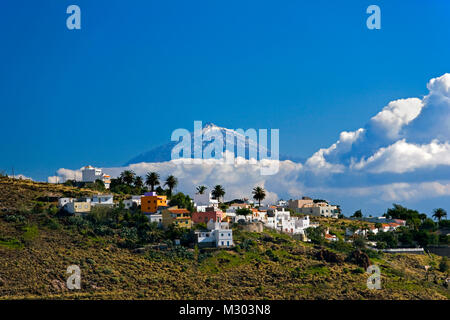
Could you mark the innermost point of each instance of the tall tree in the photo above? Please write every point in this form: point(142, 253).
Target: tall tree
point(259, 194)
point(357, 214)
point(152, 180)
point(201, 189)
point(171, 183)
point(439, 213)
point(138, 182)
point(218, 192)
point(127, 176)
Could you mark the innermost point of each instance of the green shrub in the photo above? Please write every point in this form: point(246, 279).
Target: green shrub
point(444, 265)
point(52, 224)
point(11, 244)
point(358, 270)
point(272, 255)
point(30, 233)
point(247, 244)
point(14, 218)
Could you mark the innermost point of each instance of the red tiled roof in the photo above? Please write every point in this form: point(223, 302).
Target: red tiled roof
point(178, 211)
point(393, 224)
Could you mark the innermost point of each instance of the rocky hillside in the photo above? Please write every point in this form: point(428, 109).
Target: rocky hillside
point(37, 246)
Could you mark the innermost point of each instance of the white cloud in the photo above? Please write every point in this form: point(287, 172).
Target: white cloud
point(238, 179)
point(440, 85)
point(65, 174)
point(21, 177)
point(376, 163)
point(395, 115)
point(392, 192)
point(403, 157)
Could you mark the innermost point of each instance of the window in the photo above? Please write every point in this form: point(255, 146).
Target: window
point(222, 243)
point(228, 243)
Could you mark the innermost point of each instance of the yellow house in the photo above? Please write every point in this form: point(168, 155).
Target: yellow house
point(179, 217)
point(79, 207)
point(151, 201)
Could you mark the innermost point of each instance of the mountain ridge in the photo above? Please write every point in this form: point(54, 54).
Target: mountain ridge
point(162, 153)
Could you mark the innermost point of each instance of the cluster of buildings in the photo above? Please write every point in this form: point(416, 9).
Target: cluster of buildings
point(84, 205)
point(216, 229)
point(385, 225)
point(306, 205)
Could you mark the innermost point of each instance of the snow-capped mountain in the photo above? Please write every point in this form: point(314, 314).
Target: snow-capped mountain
point(163, 152)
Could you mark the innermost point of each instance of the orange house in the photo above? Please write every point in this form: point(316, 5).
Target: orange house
point(150, 202)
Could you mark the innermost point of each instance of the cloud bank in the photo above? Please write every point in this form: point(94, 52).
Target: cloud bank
point(401, 154)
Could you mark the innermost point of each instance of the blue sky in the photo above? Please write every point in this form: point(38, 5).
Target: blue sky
point(139, 69)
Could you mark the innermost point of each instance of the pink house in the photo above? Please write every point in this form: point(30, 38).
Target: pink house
point(211, 214)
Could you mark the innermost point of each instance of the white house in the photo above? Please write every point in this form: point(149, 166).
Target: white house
point(258, 215)
point(63, 201)
point(281, 220)
point(219, 234)
point(275, 217)
point(385, 227)
point(359, 232)
point(155, 217)
point(205, 200)
point(91, 174)
point(102, 199)
point(205, 238)
point(222, 233)
point(128, 203)
point(295, 225)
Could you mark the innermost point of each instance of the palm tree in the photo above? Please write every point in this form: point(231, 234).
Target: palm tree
point(128, 176)
point(259, 194)
point(171, 182)
point(218, 192)
point(201, 189)
point(138, 182)
point(439, 213)
point(152, 180)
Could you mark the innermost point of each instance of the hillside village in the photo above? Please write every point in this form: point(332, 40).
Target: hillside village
point(211, 220)
point(204, 247)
